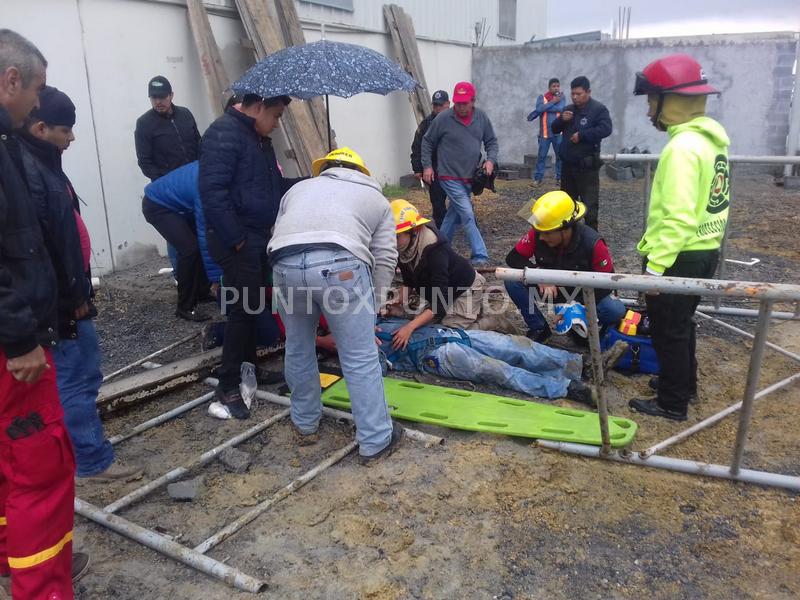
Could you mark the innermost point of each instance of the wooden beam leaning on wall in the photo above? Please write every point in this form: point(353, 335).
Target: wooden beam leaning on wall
point(301, 131)
point(293, 36)
point(210, 58)
point(404, 39)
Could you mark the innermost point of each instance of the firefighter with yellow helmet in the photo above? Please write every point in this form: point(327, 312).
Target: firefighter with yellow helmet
point(449, 288)
point(558, 239)
point(686, 221)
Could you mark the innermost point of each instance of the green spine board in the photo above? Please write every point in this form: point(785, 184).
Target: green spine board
point(477, 411)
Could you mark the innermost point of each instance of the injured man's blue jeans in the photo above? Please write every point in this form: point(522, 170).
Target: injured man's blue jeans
point(509, 361)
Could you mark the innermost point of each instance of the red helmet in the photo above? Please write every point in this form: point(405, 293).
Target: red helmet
point(673, 74)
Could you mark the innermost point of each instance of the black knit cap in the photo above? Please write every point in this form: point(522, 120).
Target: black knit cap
point(55, 108)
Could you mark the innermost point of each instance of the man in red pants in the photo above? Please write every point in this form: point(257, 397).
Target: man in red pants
point(36, 461)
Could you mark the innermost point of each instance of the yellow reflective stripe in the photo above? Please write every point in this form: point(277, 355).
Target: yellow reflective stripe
point(38, 558)
point(3, 521)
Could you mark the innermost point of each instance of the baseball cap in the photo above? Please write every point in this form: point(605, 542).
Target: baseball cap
point(159, 87)
point(463, 92)
point(55, 108)
point(439, 97)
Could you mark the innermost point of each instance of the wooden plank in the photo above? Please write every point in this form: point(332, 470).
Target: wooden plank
point(293, 35)
point(404, 40)
point(409, 38)
point(146, 384)
point(217, 80)
point(300, 129)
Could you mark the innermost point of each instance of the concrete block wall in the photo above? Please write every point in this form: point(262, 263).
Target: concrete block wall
point(753, 72)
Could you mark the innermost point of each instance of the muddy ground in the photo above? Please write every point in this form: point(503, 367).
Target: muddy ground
point(483, 516)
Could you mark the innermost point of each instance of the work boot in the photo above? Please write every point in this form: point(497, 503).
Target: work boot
point(653, 408)
point(583, 393)
point(115, 472)
point(191, 315)
point(80, 564)
point(208, 338)
point(304, 439)
point(398, 432)
point(267, 377)
point(235, 404)
point(540, 336)
point(653, 385)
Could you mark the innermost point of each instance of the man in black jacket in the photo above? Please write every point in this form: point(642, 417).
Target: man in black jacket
point(440, 101)
point(166, 136)
point(37, 468)
point(584, 124)
point(47, 133)
point(240, 190)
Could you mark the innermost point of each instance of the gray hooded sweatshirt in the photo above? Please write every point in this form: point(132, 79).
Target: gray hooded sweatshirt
point(346, 208)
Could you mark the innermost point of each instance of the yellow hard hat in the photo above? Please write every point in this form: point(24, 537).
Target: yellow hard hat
point(343, 156)
point(555, 210)
point(406, 216)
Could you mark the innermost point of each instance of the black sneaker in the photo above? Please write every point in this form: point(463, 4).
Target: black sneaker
point(191, 315)
point(80, 564)
point(652, 408)
point(653, 385)
point(583, 393)
point(235, 404)
point(398, 432)
point(540, 336)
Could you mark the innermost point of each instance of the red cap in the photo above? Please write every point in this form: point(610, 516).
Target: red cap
point(463, 92)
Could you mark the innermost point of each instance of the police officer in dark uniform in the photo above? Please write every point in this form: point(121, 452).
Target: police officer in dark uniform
point(584, 124)
point(440, 101)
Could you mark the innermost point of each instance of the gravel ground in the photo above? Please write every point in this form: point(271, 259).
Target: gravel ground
point(484, 516)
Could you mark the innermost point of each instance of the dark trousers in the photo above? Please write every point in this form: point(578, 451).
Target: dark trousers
point(672, 329)
point(438, 202)
point(584, 185)
point(180, 232)
point(243, 299)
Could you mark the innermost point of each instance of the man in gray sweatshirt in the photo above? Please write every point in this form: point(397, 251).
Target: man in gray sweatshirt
point(333, 252)
point(456, 135)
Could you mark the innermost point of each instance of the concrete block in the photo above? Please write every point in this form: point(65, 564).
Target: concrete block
point(508, 174)
point(409, 181)
point(792, 182)
point(530, 160)
point(235, 461)
point(619, 173)
point(185, 491)
point(526, 172)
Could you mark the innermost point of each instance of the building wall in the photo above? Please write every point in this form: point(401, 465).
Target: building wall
point(443, 20)
point(103, 52)
point(753, 72)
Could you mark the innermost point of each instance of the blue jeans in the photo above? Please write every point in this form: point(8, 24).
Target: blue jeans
point(541, 161)
point(610, 310)
point(460, 213)
point(78, 377)
point(508, 361)
point(338, 285)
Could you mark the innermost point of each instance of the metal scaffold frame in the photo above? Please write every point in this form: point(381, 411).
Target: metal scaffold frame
point(196, 557)
point(765, 293)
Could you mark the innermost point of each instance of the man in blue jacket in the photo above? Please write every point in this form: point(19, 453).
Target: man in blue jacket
point(548, 108)
point(240, 191)
point(173, 216)
point(584, 124)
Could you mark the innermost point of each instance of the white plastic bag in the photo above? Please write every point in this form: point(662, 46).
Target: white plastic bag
point(247, 388)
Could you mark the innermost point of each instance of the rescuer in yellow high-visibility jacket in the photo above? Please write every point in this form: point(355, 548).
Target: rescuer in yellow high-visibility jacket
point(686, 220)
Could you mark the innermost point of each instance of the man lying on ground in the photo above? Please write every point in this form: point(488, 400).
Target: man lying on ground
point(509, 361)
